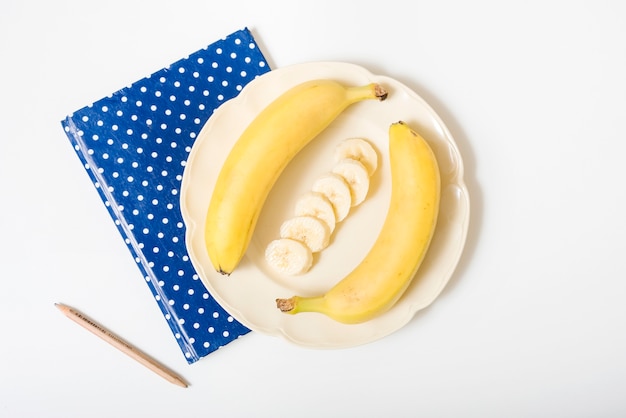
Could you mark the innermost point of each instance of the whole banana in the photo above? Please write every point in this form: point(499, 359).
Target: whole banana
point(385, 273)
point(259, 156)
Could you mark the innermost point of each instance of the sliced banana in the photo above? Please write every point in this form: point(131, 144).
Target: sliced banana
point(317, 205)
point(358, 149)
point(313, 232)
point(288, 256)
point(357, 177)
point(335, 188)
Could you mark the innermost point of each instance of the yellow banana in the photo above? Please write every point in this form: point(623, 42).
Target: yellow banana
point(259, 156)
point(385, 273)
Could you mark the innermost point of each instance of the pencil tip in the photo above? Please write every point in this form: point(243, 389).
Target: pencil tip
point(177, 380)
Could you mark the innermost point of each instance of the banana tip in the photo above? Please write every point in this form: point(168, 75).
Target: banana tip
point(223, 272)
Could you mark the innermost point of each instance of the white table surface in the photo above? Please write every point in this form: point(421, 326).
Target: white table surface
point(532, 323)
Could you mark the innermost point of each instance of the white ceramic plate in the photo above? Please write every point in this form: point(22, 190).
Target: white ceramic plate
point(249, 293)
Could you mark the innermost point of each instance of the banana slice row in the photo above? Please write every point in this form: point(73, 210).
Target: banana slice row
point(318, 211)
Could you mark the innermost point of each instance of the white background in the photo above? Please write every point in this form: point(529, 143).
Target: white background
point(532, 323)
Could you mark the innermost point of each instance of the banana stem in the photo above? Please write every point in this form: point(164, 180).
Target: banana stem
point(296, 304)
point(369, 91)
point(286, 305)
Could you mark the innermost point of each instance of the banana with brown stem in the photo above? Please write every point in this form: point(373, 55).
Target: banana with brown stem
point(260, 155)
point(385, 273)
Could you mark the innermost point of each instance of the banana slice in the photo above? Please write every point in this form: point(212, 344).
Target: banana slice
point(317, 205)
point(335, 188)
point(313, 232)
point(358, 149)
point(357, 177)
point(288, 256)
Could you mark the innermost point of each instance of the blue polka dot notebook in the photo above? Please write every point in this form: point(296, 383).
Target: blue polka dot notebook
point(134, 145)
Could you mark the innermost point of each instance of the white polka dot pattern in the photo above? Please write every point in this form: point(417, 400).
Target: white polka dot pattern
point(134, 145)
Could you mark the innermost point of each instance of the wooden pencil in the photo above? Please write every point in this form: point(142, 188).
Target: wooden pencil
point(97, 329)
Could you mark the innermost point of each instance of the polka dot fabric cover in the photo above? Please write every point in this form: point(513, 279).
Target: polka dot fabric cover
point(134, 145)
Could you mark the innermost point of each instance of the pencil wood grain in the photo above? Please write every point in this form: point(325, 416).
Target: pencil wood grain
point(119, 343)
